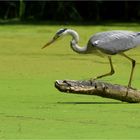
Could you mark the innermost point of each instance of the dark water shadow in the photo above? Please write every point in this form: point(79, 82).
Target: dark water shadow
point(91, 103)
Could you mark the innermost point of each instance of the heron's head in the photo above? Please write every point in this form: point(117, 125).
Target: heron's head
point(59, 34)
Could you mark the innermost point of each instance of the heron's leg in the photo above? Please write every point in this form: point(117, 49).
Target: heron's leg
point(132, 69)
point(110, 73)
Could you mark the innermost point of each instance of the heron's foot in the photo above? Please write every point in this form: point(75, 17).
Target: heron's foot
point(92, 80)
point(128, 88)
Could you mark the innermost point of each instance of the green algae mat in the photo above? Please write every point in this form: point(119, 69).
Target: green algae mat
point(31, 107)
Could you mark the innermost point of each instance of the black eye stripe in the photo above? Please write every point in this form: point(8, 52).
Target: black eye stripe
point(61, 31)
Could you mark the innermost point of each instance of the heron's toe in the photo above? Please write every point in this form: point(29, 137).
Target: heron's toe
point(95, 78)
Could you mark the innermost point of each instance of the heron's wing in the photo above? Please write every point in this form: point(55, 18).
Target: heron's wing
point(114, 42)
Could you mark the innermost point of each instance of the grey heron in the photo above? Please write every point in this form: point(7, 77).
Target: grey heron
point(104, 43)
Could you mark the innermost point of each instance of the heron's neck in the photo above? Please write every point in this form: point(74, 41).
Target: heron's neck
point(74, 42)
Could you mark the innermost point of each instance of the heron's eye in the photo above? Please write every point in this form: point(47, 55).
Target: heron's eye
point(56, 36)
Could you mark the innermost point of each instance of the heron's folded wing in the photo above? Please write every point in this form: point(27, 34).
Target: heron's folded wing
point(115, 43)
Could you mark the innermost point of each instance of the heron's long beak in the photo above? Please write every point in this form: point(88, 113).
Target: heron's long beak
point(50, 42)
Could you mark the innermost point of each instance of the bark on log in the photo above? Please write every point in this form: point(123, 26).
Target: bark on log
point(99, 88)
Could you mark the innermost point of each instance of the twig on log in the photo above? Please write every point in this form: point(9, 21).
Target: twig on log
point(99, 88)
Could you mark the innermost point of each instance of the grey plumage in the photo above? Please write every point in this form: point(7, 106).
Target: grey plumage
point(114, 42)
point(104, 43)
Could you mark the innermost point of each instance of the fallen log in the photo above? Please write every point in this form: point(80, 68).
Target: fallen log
point(103, 89)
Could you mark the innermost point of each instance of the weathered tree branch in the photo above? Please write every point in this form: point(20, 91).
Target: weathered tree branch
point(99, 88)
